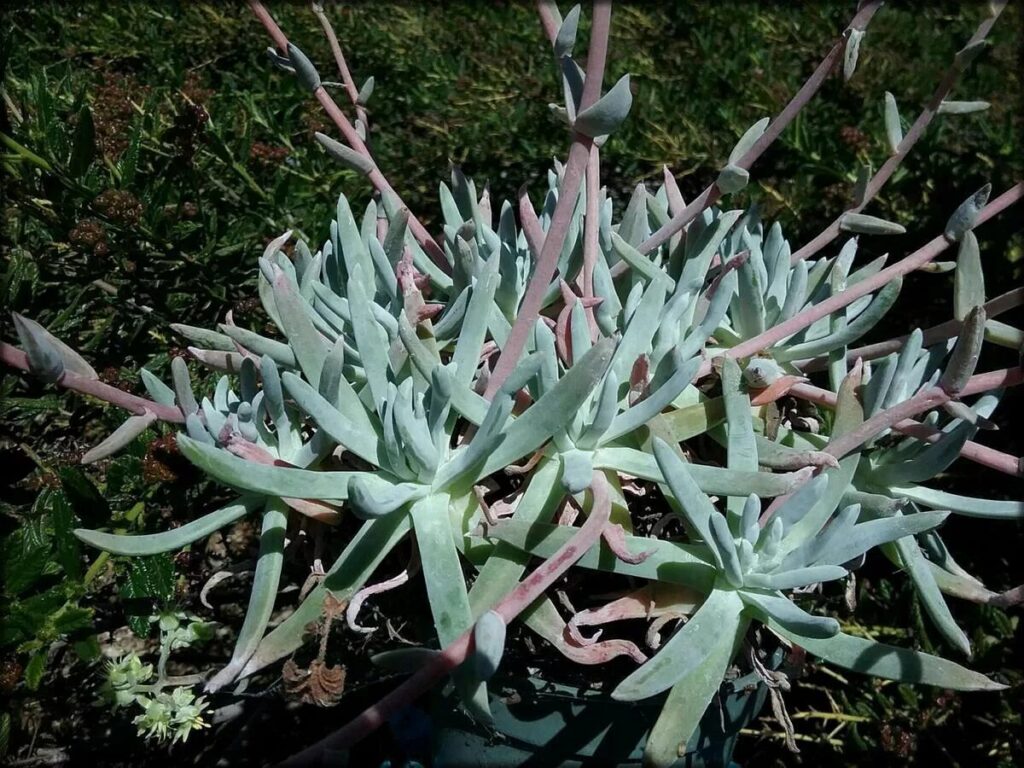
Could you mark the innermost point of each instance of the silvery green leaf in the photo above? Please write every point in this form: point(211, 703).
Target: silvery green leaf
point(404, 661)
point(916, 566)
point(577, 470)
point(262, 478)
point(880, 304)
point(969, 280)
point(608, 113)
point(640, 263)
point(696, 507)
point(174, 539)
point(687, 702)
point(361, 441)
point(642, 412)
point(761, 372)
point(887, 661)
point(725, 545)
point(962, 107)
point(196, 430)
point(749, 519)
point(474, 325)
point(229, 362)
point(966, 214)
point(306, 343)
point(732, 178)
point(705, 635)
point(893, 128)
point(566, 37)
point(348, 157)
point(261, 345)
point(305, 72)
point(851, 52)
point(120, 437)
point(640, 330)
point(860, 186)
point(863, 224)
point(714, 480)
point(262, 596)
point(968, 415)
point(372, 496)
point(554, 410)
point(204, 337)
point(73, 361)
point(157, 390)
point(798, 577)
point(413, 430)
point(394, 243)
point(965, 355)
point(968, 54)
point(488, 643)
point(361, 557)
point(370, 341)
point(604, 412)
point(331, 375)
point(963, 505)
point(44, 359)
point(769, 607)
point(183, 386)
point(365, 92)
point(747, 141)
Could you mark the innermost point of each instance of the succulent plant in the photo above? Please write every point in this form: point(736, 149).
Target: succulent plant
point(409, 375)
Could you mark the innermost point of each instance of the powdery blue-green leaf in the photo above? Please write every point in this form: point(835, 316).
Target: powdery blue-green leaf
point(262, 478)
point(157, 390)
point(370, 495)
point(639, 414)
point(183, 386)
point(798, 577)
point(689, 698)
point(120, 437)
point(694, 654)
point(363, 442)
point(608, 113)
point(928, 592)
point(261, 345)
point(962, 107)
point(404, 661)
point(971, 51)
point(964, 358)
point(732, 178)
point(768, 607)
point(348, 157)
point(488, 645)
point(370, 340)
point(553, 411)
point(204, 337)
point(44, 359)
point(969, 279)
point(365, 91)
point(360, 558)
point(748, 140)
point(307, 344)
point(893, 128)
point(305, 72)
point(174, 539)
point(697, 507)
point(566, 37)
point(893, 663)
point(966, 214)
point(863, 224)
point(262, 596)
point(851, 52)
point(963, 505)
point(867, 535)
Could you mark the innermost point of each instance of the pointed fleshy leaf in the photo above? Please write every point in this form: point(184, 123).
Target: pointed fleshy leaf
point(968, 280)
point(174, 539)
point(693, 654)
point(305, 72)
point(608, 113)
point(872, 658)
point(862, 224)
point(851, 52)
point(962, 107)
point(120, 437)
point(893, 128)
point(566, 37)
point(348, 157)
point(964, 505)
point(964, 358)
point(44, 359)
point(966, 214)
point(768, 607)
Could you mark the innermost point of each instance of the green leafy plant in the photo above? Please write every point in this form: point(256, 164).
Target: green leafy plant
point(408, 375)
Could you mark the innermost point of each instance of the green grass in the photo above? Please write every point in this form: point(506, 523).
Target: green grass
point(468, 85)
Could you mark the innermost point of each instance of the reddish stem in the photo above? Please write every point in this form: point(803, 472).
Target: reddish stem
point(922, 256)
point(913, 135)
point(376, 178)
point(15, 358)
point(941, 332)
point(572, 178)
point(775, 128)
point(339, 59)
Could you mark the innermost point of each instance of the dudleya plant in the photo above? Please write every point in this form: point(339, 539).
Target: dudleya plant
point(583, 349)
